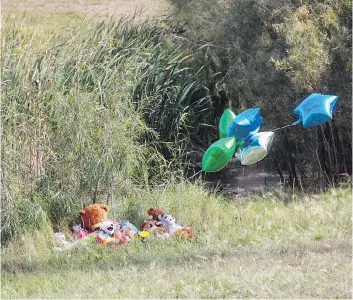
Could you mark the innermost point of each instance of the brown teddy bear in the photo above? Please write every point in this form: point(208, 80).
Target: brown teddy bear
point(153, 217)
point(154, 213)
point(93, 215)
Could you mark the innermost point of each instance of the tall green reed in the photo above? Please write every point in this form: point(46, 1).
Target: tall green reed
point(89, 112)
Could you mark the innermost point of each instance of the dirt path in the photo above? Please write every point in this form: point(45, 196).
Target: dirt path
point(93, 8)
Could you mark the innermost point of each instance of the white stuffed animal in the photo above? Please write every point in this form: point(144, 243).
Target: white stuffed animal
point(168, 222)
point(106, 230)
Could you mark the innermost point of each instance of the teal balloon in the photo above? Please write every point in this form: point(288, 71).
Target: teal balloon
point(315, 110)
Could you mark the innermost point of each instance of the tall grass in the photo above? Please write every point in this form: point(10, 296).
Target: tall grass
point(89, 111)
point(253, 246)
point(220, 225)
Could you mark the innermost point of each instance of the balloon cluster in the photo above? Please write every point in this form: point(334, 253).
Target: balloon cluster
point(240, 136)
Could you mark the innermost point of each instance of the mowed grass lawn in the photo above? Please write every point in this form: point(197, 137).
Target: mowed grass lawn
point(255, 247)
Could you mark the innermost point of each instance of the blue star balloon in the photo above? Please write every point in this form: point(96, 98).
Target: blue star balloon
point(315, 110)
point(245, 124)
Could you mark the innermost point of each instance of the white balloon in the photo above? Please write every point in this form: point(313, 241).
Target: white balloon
point(257, 148)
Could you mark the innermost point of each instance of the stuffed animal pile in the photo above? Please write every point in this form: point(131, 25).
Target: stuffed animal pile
point(163, 226)
point(97, 229)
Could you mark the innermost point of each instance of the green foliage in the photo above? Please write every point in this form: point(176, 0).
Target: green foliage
point(92, 110)
point(219, 226)
point(86, 113)
point(272, 54)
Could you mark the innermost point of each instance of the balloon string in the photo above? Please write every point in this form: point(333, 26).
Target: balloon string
point(194, 175)
point(278, 128)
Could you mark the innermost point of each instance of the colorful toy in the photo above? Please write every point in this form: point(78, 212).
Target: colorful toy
point(68, 245)
point(169, 224)
point(124, 239)
point(93, 215)
point(153, 216)
point(128, 229)
point(185, 232)
point(131, 231)
point(154, 213)
point(61, 241)
point(106, 235)
point(106, 230)
point(79, 232)
point(144, 234)
point(150, 224)
point(151, 227)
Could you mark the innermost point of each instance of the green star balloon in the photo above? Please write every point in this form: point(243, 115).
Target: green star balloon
point(225, 121)
point(219, 154)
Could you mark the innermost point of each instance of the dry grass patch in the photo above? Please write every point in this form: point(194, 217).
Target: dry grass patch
point(320, 269)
